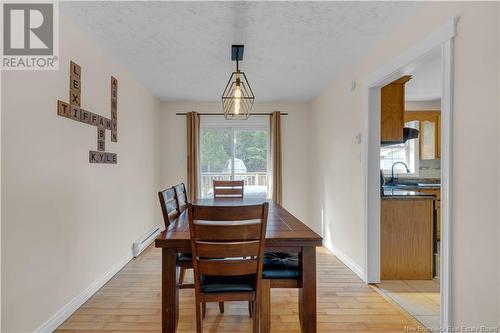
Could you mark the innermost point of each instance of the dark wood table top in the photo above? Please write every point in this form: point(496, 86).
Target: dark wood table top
point(283, 229)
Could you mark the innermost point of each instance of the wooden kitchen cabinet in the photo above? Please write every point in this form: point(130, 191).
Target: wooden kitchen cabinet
point(437, 194)
point(429, 132)
point(392, 104)
point(406, 239)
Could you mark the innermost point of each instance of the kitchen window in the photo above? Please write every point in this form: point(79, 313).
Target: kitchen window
point(407, 153)
point(235, 150)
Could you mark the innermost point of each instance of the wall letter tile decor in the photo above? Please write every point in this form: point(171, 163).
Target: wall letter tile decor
point(74, 111)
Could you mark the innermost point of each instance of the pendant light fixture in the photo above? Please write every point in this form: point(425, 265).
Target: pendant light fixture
point(237, 98)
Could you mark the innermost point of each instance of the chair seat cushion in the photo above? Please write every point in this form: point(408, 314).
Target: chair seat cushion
point(221, 284)
point(183, 257)
point(280, 265)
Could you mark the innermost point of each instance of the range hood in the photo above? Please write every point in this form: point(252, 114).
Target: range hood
point(408, 133)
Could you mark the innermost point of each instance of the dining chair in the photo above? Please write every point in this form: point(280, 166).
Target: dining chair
point(182, 201)
point(229, 188)
point(169, 203)
point(181, 195)
point(227, 243)
point(169, 206)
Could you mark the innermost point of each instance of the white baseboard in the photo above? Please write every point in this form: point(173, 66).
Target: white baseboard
point(60, 316)
point(353, 266)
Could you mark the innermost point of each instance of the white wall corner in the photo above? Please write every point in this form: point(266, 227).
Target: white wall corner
point(67, 310)
point(348, 261)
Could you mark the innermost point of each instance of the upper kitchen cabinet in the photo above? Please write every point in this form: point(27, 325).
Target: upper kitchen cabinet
point(430, 132)
point(392, 105)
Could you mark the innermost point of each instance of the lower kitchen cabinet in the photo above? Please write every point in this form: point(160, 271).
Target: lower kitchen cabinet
point(406, 249)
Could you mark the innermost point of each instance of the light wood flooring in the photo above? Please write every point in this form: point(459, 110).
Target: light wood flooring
point(130, 301)
point(420, 298)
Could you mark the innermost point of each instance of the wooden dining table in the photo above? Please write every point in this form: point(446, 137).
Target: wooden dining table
point(285, 233)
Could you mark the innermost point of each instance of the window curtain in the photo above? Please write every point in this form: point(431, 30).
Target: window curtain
point(193, 143)
point(277, 185)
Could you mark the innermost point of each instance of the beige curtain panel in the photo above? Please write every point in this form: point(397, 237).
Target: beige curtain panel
point(193, 142)
point(277, 185)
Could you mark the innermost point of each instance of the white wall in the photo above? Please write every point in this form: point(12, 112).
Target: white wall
point(296, 140)
point(1, 223)
point(65, 222)
point(498, 95)
point(338, 172)
point(434, 105)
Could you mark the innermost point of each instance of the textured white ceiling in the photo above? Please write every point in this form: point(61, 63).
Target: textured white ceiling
point(181, 50)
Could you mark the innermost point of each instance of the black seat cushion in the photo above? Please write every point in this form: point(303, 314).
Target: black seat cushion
point(183, 257)
point(280, 265)
point(221, 284)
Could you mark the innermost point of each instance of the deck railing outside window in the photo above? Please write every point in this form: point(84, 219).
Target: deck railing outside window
point(256, 183)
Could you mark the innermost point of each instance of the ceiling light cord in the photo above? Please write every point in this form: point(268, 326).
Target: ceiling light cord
point(237, 60)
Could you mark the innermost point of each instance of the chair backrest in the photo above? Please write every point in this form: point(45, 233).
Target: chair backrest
point(168, 204)
point(227, 240)
point(229, 188)
point(182, 199)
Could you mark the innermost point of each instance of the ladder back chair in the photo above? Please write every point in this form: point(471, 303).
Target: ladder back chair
point(227, 243)
point(182, 201)
point(170, 203)
point(181, 195)
point(280, 270)
point(229, 188)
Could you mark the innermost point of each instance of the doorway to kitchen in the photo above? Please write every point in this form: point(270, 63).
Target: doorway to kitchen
point(412, 158)
point(410, 170)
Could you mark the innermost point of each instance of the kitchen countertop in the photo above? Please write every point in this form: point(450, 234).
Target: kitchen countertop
point(403, 179)
point(413, 186)
point(392, 192)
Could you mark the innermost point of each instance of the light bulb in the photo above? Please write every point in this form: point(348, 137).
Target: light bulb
point(237, 96)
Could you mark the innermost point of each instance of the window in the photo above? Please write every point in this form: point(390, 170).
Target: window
point(235, 150)
point(404, 152)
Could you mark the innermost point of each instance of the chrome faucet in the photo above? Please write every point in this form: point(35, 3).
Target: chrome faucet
point(393, 180)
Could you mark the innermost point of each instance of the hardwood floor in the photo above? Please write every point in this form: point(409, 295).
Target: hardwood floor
point(130, 302)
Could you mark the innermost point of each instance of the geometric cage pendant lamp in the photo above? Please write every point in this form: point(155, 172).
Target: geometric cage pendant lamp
point(237, 98)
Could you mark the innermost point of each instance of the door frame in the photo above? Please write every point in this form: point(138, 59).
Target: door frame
point(442, 37)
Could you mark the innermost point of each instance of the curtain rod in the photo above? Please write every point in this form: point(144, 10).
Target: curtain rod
point(222, 114)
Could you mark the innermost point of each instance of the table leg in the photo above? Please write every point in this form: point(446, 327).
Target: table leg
point(307, 294)
point(265, 315)
point(169, 291)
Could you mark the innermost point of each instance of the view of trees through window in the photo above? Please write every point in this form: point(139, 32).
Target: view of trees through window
point(251, 148)
point(234, 154)
point(215, 150)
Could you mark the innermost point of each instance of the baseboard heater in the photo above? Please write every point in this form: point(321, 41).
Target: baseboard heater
point(145, 240)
